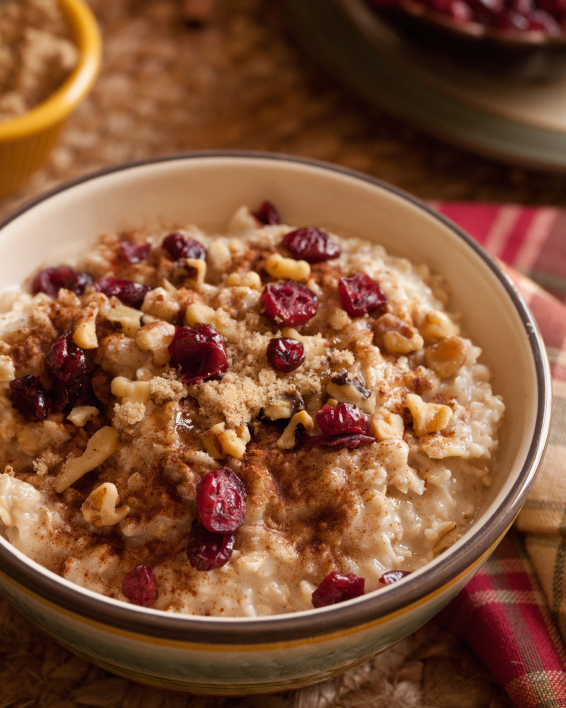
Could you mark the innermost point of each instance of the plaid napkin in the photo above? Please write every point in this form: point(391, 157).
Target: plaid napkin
point(513, 612)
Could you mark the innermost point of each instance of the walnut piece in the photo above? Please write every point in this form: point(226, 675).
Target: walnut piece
point(386, 425)
point(346, 390)
point(244, 280)
point(436, 326)
point(197, 272)
point(220, 442)
point(427, 417)
point(287, 268)
point(80, 415)
point(161, 304)
point(84, 335)
point(156, 338)
point(447, 356)
point(134, 391)
point(284, 407)
point(287, 440)
point(101, 506)
point(397, 336)
point(100, 447)
point(125, 319)
point(447, 535)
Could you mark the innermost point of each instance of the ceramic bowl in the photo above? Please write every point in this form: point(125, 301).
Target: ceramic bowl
point(208, 655)
point(26, 141)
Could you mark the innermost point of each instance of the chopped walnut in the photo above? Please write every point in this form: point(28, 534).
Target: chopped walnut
point(220, 442)
point(438, 325)
point(446, 535)
point(447, 357)
point(244, 280)
point(386, 425)
point(161, 304)
point(125, 319)
point(100, 507)
point(314, 345)
point(427, 417)
point(100, 447)
point(284, 407)
point(287, 440)
point(156, 338)
point(287, 268)
point(84, 335)
point(398, 337)
point(196, 269)
point(346, 390)
point(80, 415)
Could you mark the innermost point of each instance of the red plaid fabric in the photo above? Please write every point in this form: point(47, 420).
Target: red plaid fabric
point(504, 616)
point(532, 240)
point(512, 613)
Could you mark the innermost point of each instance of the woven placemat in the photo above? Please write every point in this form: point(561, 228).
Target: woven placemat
point(430, 669)
point(242, 83)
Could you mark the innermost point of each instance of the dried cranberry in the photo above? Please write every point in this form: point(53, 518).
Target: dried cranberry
point(349, 440)
point(206, 550)
point(66, 364)
point(130, 293)
point(289, 304)
point(392, 576)
point(51, 280)
point(556, 8)
point(134, 252)
point(456, 9)
point(360, 294)
point(180, 246)
point(311, 245)
point(338, 588)
point(285, 354)
point(459, 11)
point(344, 418)
point(200, 352)
point(29, 397)
point(542, 21)
point(511, 21)
point(267, 214)
point(139, 586)
point(221, 501)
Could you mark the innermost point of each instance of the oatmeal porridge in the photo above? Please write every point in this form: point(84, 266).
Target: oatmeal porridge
point(243, 424)
point(36, 54)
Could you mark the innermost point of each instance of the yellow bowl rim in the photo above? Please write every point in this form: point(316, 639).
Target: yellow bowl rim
point(76, 87)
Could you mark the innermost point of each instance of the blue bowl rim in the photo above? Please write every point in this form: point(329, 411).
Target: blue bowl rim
point(337, 618)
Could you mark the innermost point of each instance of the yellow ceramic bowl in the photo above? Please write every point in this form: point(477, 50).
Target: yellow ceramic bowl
point(26, 141)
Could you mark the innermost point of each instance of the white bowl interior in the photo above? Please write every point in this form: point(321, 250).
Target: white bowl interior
point(207, 190)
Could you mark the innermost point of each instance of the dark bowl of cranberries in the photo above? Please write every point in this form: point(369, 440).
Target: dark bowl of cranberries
point(520, 39)
point(348, 622)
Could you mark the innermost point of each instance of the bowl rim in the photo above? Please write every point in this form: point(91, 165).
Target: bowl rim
point(75, 87)
point(411, 591)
